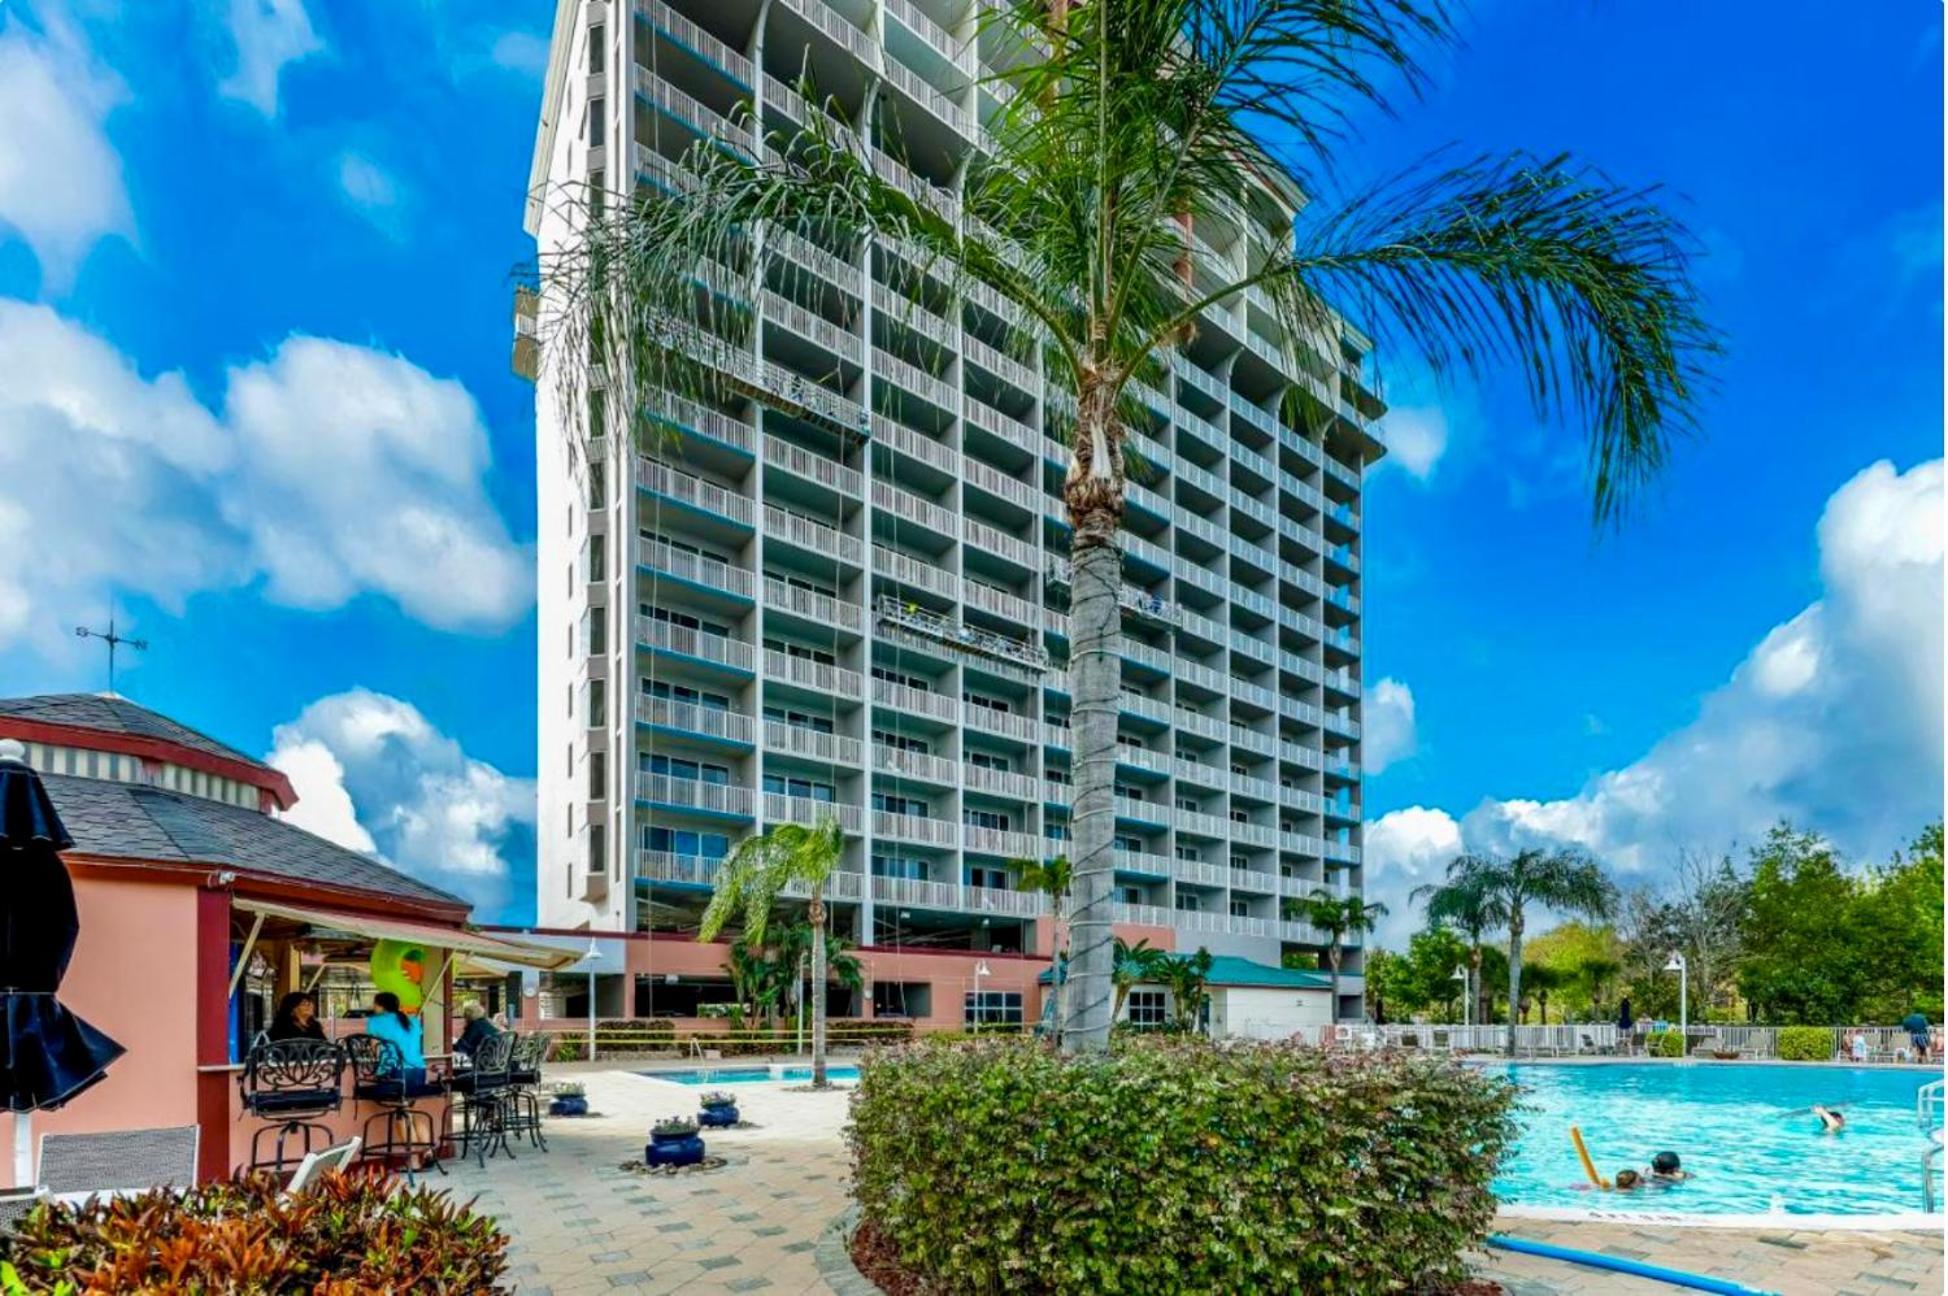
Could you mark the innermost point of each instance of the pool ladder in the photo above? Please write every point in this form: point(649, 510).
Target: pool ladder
point(1928, 1105)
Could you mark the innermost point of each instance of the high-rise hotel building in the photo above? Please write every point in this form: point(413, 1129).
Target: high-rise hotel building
point(846, 591)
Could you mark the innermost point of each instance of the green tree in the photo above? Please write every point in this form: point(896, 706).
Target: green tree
point(1421, 977)
point(1804, 961)
point(1339, 917)
point(1569, 947)
point(1900, 922)
point(1137, 124)
point(1539, 981)
point(1052, 878)
point(758, 871)
point(1186, 975)
point(1462, 904)
point(1567, 881)
point(1135, 965)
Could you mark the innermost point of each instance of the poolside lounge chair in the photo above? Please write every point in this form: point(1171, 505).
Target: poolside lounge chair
point(322, 1162)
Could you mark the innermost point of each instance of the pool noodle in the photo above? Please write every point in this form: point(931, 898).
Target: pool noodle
point(1618, 1264)
point(1589, 1166)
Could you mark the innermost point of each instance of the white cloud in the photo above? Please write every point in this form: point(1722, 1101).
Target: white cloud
point(372, 773)
point(1387, 732)
point(522, 52)
point(365, 182)
point(333, 470)
point(1834, 720)
point(60, 179)
point(267, 35)
point(1405, 849)
point(1416, 438)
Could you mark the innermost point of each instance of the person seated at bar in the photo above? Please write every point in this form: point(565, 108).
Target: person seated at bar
point(479, 1030)
point(296, 1019)
point(390, 1023)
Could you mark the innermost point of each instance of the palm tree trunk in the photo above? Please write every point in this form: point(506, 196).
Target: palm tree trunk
point(1332, 961)
point(1058, 973)
point(818, 987)
point(1093, 493)
point(1514, 972)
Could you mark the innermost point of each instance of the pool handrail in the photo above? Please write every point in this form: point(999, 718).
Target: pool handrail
point(1622, 1265)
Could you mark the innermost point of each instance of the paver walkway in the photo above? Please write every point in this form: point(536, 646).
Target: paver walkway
point(582, 1226)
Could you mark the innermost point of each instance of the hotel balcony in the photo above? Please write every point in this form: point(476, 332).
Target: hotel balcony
point(798, 740)
point(914, 765)
point(722, 800)
point(693, 721)
point(809, 810)
point(695, 569)
point(693, 493)
point(921, 830)
point(809, 674)
point(695, 645)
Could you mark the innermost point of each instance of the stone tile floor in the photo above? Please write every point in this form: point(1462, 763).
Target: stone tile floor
point(581, 1226)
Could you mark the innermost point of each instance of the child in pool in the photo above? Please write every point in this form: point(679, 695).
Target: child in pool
point(1830, 1121)
point(1628, 1181)
point(1666, 1168)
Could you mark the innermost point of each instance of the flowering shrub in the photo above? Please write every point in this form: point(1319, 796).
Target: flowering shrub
point(346, 1234)
point(1805, 1044)
point(1667, 1043)
point(1175, 1166)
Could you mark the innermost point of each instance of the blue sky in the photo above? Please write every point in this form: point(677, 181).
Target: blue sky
point(254, 322)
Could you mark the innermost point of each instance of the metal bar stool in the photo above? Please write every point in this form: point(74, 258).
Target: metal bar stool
point(381, 1077)
point(524, 1087)
point(293, 1083)
point(483, 1090)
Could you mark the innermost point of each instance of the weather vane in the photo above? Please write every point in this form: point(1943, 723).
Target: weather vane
point(113, 641)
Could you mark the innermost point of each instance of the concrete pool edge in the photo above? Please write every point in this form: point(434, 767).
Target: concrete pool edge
point(1899, 1222)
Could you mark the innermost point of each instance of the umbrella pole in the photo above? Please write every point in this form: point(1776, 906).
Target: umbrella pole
point(23, 1150)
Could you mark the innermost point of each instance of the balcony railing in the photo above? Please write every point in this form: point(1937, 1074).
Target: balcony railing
point(980, 778)
point(912, 764)
point(686, 642)
point(692, 794)
point(1004, 723)
point(835, 25)
point(688, 717)
point(704, 496)
point(799, 461)
point(915, 445)
point(809, 533)
point(809, 811)
point(1016, 904)
point(801, 741)
point(1000, 841)
point(695, 568)
point(693, 37)
point(815, 606)
point(915, 828)
point(676, 412)
point(909, 507)
point(812, 674)
point(917, 892)
point(900, 697)
point(913, 571)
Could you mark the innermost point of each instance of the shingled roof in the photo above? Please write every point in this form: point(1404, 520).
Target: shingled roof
point(109, 713)
point(134, 821)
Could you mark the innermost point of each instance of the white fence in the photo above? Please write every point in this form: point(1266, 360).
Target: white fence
point(1882, 1043)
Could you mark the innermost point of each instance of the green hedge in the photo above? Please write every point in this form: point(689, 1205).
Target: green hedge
point(1805, 1044)
point(1175, 1166)
point(1664, 1044)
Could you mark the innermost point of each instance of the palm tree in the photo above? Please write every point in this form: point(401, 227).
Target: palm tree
point(1542, 980)
point(1186, 974)
point(1592, 974)
point(1567, 881)
point(1137, 124)
point(1339, 917)
point(756, 873)
point(794, 952)
point(1052, 878)
point(1462, 906)
point(1135, 964)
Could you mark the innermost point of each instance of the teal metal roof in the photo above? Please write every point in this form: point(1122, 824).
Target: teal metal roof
point(1230, 970)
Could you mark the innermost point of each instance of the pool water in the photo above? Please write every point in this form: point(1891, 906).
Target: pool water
point(748, 1075)
point(1744, 1133)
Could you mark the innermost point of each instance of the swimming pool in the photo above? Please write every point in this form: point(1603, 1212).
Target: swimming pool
point(748, 1074)
point(1744, 1132)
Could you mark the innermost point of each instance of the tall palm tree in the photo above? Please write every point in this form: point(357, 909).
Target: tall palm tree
point(756, 873)
point(1462, 906)
point(1136, 124)
point(1052, 878)
point(1339, 917)
point(1592, 974)
point(1567, 881)
point(1186, 975)
point(1541, 981)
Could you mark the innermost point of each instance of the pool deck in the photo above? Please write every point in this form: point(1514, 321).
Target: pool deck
point(580, 1225)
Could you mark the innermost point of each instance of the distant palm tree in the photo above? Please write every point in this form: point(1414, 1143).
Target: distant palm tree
point(1462, 906)
point(1566, 881)
point(1186, 975)
point(1594, 973)
point(1135, 965)
point(1052, 878)
point(1136, 127)
point(1541, 981)
point(794, 952)
point(757, 871)
point(1339, 917)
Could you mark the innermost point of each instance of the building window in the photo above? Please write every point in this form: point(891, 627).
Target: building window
point(913, 682)
point(1190, 854)
point(900, 866)
point(987, 819)
point(900, 805)
point(992, 1008)
point(988, 879)
point(1130, 895)
point(684, 842)
point(598, 776)
point(901, 742)
point(990, 761)
point(683, 693)
point(677, 768)
point(597, 854)
point(1189, 903)
point(1147, 1009)
point(779, 785)
point(1241, 909)
point(597, 125)
point(598, 53)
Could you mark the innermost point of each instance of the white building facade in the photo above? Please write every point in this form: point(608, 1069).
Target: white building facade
point(847, 591)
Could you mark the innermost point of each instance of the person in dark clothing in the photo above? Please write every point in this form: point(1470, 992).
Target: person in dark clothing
point(479, 1030)
point(296, 1019)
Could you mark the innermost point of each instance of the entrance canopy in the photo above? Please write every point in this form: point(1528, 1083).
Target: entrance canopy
point(476, 945)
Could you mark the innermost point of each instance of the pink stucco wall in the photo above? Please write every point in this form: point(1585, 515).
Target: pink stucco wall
point(133, 976)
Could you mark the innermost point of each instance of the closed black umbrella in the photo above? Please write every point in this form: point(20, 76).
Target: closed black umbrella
point(47, 1054)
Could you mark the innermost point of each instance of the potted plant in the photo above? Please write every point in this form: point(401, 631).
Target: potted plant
point(719, 1109)
point(570, 1099)
point(673, 1141)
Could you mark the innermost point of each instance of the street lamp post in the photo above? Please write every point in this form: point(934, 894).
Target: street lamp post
point(1677, 965)
point(1461, 975)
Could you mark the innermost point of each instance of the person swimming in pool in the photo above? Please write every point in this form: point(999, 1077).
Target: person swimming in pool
point(1628, 1181)
point(1666, 1168)
point(1830, 1121)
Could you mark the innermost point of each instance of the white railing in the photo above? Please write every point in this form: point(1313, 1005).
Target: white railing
point(800, 741)
point(1146, 915)
point(912, 378)
point(812, 674)
point(813, 257)
point(810, 533)
point(835, 25)
point(1018, 904)
point(665, 866)
point(995, 482)
point(929, 98)
point(832, 337)
point(916, 891)
point(681, 107)
point(733, 726)
point(694, 643)
point(688, 33)
point(1012, 430)
point(901, 697)
point(916, 445)
point(809, 810)
point(999, 602)
point(709, 497)
point(923, 829)
point(991, 541)
point(814, 605)
point(696, 568)
point(912, 764)
point(915, 571)
point(912, 508)
point(1001, 366)
point(675, 411)
point(1006, 723)
point(1001, 841)
point(797, 460)
point(719, 798)
point(980, 778)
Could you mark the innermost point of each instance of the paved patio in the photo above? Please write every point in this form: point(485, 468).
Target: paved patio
point(580, 1225)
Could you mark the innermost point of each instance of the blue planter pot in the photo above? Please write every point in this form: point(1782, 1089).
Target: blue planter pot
point(569, 1105)
point(722, 1116)
point(673, 1150)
